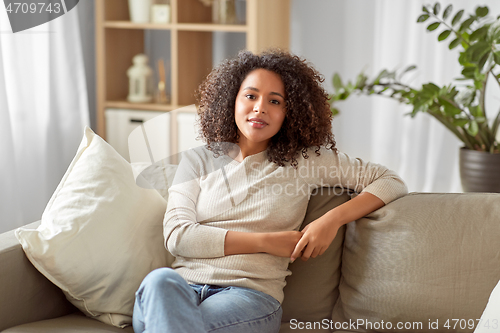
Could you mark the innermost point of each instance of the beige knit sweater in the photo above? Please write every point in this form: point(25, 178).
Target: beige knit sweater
point(210, 196)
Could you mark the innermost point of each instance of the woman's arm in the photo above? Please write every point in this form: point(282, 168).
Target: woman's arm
point(276, 243)
point(184, 236)
point(187, 238)
point(376, 185)
point(319, 234)
point(312, 241)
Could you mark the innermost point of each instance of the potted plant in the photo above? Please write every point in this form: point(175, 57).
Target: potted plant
point(460, 106)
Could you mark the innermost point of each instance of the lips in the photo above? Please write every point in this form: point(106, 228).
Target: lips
point(257, 122)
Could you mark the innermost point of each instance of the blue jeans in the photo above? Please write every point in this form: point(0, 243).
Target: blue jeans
point(165, 302)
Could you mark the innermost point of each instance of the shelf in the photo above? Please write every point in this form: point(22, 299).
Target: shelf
point(212, 27)
point(178, 26)
point(144, 106)
point(187, 43)
point(130, 25)
point(140, 106)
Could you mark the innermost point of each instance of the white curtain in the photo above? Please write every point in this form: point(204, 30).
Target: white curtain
point(43, 110)
point(371, 35)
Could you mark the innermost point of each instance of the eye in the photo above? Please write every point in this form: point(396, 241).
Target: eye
point(276, 102)
point(250, 96)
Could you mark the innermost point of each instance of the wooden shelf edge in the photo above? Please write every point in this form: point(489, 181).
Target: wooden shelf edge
point(146, 106)
point(130, 25)
point(212, 27)
point(178, 26)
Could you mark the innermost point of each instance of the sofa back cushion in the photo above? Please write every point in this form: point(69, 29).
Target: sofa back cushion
point(424, 259)
point(312, 289)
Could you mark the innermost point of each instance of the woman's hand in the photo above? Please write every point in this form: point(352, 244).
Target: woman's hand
point(316, 238)
point(280, 243)
point(319, 234)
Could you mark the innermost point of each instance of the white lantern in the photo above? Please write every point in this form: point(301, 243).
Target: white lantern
point(140, 80)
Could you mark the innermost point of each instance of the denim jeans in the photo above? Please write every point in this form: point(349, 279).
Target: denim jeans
point(165, 302)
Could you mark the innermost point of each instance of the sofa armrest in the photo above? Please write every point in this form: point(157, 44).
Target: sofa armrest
point(26, 294)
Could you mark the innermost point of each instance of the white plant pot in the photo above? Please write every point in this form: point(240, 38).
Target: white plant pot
point(139, 10)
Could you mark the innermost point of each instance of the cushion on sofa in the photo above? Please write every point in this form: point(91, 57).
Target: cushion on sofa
point(312, 289)
point(26, 294)
point(490, 319)
point(425, 258)
point(73, 323)
point(100, 234)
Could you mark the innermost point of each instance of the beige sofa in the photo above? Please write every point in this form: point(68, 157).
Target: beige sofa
point(425, 262)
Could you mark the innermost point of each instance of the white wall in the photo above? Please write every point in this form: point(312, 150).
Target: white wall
point(331, 35)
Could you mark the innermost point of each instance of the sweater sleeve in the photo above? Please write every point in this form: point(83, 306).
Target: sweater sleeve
point(338, 169)
point(184, 236)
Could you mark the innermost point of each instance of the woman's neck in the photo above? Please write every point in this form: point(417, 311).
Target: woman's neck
point(248, 150)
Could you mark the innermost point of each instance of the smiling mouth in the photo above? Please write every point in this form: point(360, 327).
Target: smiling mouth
point(257, 123)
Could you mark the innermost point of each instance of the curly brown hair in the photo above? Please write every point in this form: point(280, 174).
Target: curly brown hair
point(308, 117)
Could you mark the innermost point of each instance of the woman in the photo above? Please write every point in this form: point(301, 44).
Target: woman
point(237, 203)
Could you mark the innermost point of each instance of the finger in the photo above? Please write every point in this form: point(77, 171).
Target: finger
point(298, 249)
point(307, 252)
point(315, 252)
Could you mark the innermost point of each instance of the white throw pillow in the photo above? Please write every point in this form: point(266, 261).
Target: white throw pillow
point(100, 234)
point(490, 319)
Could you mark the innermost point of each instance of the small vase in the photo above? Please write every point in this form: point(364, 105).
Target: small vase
point(479, 171)
point(139, 10)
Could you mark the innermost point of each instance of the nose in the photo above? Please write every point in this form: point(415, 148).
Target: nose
point(259, 107)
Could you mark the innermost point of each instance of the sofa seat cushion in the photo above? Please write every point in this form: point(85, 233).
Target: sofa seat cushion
point(72, 323)
point(425, 258)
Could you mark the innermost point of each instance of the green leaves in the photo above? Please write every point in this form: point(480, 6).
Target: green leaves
point(447, 12)
point(442, 36)
point(479, 33)
point(493, 33)
point(457, 17)
point(408, 69)
point(423, 18)
point(454, 43)
point(466, 24)
point(334, 111)
point(482, 11)
point(437, 7)
point(433, 26)
point(460, 108)
point(461, 29)
point(496, 56)
point(337, 82)
point(472, 128)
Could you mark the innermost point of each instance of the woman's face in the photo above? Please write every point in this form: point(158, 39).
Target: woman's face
point(260, 108)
